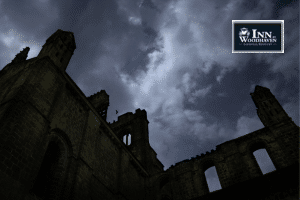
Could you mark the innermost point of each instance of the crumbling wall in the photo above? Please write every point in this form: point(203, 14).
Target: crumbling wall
point(234, 161)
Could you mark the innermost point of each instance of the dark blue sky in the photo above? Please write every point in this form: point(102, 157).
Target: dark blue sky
point(171, 58)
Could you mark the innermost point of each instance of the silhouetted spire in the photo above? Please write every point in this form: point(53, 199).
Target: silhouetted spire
point(21, 56)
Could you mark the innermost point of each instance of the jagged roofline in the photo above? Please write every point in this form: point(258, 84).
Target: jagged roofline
point(24, 51)
point(96, 94)
point(21, 56)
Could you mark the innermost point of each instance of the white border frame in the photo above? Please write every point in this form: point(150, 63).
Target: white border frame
point(258, 22)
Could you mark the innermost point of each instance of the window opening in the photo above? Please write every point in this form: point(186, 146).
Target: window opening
point(212, 179)
point(264, 161)
point(129, 139)
point(124, 139)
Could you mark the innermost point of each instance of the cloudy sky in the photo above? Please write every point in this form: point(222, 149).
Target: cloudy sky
point(170, 57)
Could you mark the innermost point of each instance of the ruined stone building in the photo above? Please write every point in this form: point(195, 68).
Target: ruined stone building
point(56, 144)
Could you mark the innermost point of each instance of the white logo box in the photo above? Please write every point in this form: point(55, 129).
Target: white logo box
point(259, 22)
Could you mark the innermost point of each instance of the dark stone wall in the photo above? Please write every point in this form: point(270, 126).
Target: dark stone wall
point(56, 145)
point(43, 106)
point(39, 104)
point(267, 187)
point(235, 163)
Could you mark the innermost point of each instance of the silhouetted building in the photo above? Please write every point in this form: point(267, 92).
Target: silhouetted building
point(56, 144)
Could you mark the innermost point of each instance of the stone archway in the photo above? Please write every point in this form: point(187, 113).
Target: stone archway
point(47, 180)
point(163, 187)
point(51, 176)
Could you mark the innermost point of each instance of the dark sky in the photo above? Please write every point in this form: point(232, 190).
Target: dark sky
point(170, 57)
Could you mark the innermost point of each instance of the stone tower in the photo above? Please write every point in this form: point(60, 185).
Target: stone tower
point(55, 143)
point(137, 126)
point(268, 108)
point(59, 47)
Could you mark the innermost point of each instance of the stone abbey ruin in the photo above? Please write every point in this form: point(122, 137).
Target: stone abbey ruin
point(56, 143)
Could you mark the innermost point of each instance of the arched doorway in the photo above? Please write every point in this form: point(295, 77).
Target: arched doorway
point(47, 182)
point(165, 188)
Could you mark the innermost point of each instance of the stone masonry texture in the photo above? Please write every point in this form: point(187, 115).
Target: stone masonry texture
point(56, 144)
